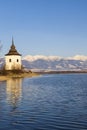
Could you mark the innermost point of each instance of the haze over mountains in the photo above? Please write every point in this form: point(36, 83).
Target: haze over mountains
point(53, 63)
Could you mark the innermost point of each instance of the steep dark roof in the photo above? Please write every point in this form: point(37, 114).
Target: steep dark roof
point(12, 50)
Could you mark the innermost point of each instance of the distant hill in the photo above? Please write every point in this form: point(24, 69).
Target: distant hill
point(53, 63)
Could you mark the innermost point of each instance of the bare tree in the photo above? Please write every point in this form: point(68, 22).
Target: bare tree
point(0, 52)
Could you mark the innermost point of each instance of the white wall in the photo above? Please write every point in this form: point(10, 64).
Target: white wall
point(13, 64)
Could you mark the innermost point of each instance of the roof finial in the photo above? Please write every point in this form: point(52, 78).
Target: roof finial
point(12, 46)
point(12, 41)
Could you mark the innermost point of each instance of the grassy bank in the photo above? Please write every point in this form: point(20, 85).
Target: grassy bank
point(5, 75)
point(3, 78)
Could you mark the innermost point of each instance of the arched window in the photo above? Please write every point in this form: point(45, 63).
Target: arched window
point(17, 60)
point(9, 60)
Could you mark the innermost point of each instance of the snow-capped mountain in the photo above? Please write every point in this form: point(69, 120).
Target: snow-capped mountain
point(53, 63)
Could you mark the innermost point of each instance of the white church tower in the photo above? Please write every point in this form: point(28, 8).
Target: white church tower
point(13, 59)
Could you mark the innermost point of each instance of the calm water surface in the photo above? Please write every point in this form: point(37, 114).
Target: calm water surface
point(50, 102)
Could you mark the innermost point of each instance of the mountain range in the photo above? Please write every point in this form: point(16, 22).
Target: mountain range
point(53, 63)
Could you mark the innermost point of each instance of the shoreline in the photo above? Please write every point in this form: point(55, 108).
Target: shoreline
point(24, 75)
point(62, 72)
point(33, 74)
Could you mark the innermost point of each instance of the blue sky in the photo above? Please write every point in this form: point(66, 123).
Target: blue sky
point(44, 27)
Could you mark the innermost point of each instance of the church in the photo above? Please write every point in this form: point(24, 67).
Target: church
point(13, 59)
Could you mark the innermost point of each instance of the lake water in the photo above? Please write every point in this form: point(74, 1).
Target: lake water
point(49, 102)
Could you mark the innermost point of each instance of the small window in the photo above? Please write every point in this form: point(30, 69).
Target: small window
point(9, 60)
point(17, 60)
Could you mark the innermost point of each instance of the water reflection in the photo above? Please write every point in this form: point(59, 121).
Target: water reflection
point(14, 90)
point(50, 102)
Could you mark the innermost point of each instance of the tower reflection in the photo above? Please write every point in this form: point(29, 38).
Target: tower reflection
point(14, 90)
